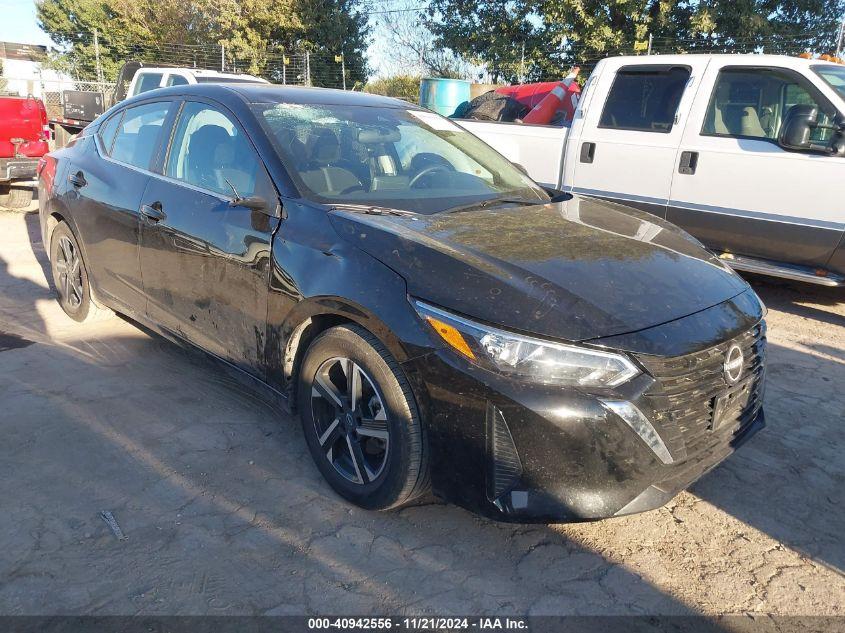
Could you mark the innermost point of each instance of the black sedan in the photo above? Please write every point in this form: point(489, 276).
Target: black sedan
point(436, 319)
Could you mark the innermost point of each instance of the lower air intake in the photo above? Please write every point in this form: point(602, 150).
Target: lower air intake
point(503, 466)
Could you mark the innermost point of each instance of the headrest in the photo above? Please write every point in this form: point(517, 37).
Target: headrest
point(208, 138)
point(323, 146)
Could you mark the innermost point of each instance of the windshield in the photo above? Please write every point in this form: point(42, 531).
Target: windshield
point(833, 75)
point(399, 158)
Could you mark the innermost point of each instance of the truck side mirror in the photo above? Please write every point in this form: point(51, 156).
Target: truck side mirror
point(797, 127)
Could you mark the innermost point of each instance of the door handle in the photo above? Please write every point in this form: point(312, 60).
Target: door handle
point(77, 180)
point(689, 161)
point(588, 152)
point(153, 213)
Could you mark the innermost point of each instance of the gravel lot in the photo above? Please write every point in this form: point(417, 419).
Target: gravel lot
point(224, 512)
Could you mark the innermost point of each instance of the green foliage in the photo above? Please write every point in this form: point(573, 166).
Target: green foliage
point(492, 32)
point(189, 32)
point(557, 34)
point(405, 87)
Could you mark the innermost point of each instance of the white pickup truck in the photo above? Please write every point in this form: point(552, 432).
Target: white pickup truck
point(746, 152)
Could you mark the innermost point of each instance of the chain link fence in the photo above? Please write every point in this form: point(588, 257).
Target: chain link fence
point(52, 92)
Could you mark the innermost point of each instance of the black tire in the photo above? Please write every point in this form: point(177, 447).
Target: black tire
point(15, 197)
point(395, 466)
point(71, 280)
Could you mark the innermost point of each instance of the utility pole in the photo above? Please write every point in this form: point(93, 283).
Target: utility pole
point(650, 42)
point(339, 60)
point(522, 65)
point(307, 68)
point(97, 56)
point(222, 58)
point(839, 38)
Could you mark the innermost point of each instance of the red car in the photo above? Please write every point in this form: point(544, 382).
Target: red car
point(23, 140)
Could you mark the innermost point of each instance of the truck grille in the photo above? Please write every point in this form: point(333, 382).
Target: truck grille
point(695, 409)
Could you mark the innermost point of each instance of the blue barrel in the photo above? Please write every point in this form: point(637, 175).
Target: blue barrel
point(443, 95)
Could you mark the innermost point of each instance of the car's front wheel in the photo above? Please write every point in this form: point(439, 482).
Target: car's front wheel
point(70, 277)
point(361, 421)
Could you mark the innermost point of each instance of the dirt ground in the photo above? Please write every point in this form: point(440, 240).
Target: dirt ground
point(224, 512)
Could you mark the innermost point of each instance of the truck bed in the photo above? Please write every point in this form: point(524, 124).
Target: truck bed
point(537, 148)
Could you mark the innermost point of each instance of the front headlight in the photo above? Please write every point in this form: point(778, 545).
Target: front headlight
point(527, 357)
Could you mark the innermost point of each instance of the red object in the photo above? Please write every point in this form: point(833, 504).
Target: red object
point(23, 122)
point(47, 172)
point(545, 111)
point(532, 95)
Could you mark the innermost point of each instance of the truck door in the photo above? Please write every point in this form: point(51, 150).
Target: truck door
point(630, 132)
point(737, 190)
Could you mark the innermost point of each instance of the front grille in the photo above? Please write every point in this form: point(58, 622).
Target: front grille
point(689, 389)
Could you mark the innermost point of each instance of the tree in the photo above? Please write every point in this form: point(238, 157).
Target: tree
point(405, 87)
point(557, 34)
point(493, 33)
point(408, 46)
point(255, 33)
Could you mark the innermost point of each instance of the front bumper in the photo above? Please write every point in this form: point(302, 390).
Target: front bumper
point(532, 453)
point(18, 169)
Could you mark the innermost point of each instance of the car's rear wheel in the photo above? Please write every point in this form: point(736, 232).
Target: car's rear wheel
point(15, 197)
point(70, 276)
point(361, 421)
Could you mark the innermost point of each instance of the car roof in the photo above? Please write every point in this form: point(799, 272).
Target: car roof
point(196, 72)
point(275, 93)
point(740, 59)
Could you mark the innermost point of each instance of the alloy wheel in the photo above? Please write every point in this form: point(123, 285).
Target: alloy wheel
point(69, 269)
point(350, 420)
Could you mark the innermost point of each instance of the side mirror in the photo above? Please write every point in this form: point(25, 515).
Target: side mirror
point(256, 203)
point(798, 126)
point(557, 195)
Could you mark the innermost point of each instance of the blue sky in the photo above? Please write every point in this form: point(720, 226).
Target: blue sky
point(18, 23)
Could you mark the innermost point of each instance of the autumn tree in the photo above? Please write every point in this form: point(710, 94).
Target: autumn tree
point(190, 32)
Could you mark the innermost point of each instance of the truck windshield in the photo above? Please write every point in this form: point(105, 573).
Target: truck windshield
point(400, 158)
point(833, 75)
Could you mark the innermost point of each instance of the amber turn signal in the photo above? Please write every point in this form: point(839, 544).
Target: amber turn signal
point(451, 336)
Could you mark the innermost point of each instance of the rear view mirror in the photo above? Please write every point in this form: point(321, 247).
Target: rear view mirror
point(521, 168)
point(797, 127)
point(379, 135)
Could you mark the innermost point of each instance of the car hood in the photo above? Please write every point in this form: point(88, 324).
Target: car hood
point(573, 270)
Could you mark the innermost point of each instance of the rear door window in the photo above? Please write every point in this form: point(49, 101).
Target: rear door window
point(645, 98)
point(107, 131)
point(139, 132)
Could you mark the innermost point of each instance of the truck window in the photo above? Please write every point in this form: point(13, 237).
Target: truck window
point(752, 103)
point(137, 136)
point(146, 81)
point(645, 98)
point(176, 80)
point(834, 76)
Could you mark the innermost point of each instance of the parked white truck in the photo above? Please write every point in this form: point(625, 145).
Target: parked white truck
point(746, 152)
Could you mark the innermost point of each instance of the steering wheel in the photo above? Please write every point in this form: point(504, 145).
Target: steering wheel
point(352, 188)
point(428, 170)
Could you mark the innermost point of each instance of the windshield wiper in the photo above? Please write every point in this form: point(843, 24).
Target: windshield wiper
point(370, 209)
point(485, 204)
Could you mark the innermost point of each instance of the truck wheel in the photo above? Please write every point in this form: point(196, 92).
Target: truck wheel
point(361, 421)
point(70, 277)
point(15, 197)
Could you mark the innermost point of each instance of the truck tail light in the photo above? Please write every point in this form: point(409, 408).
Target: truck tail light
point(45, 125)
